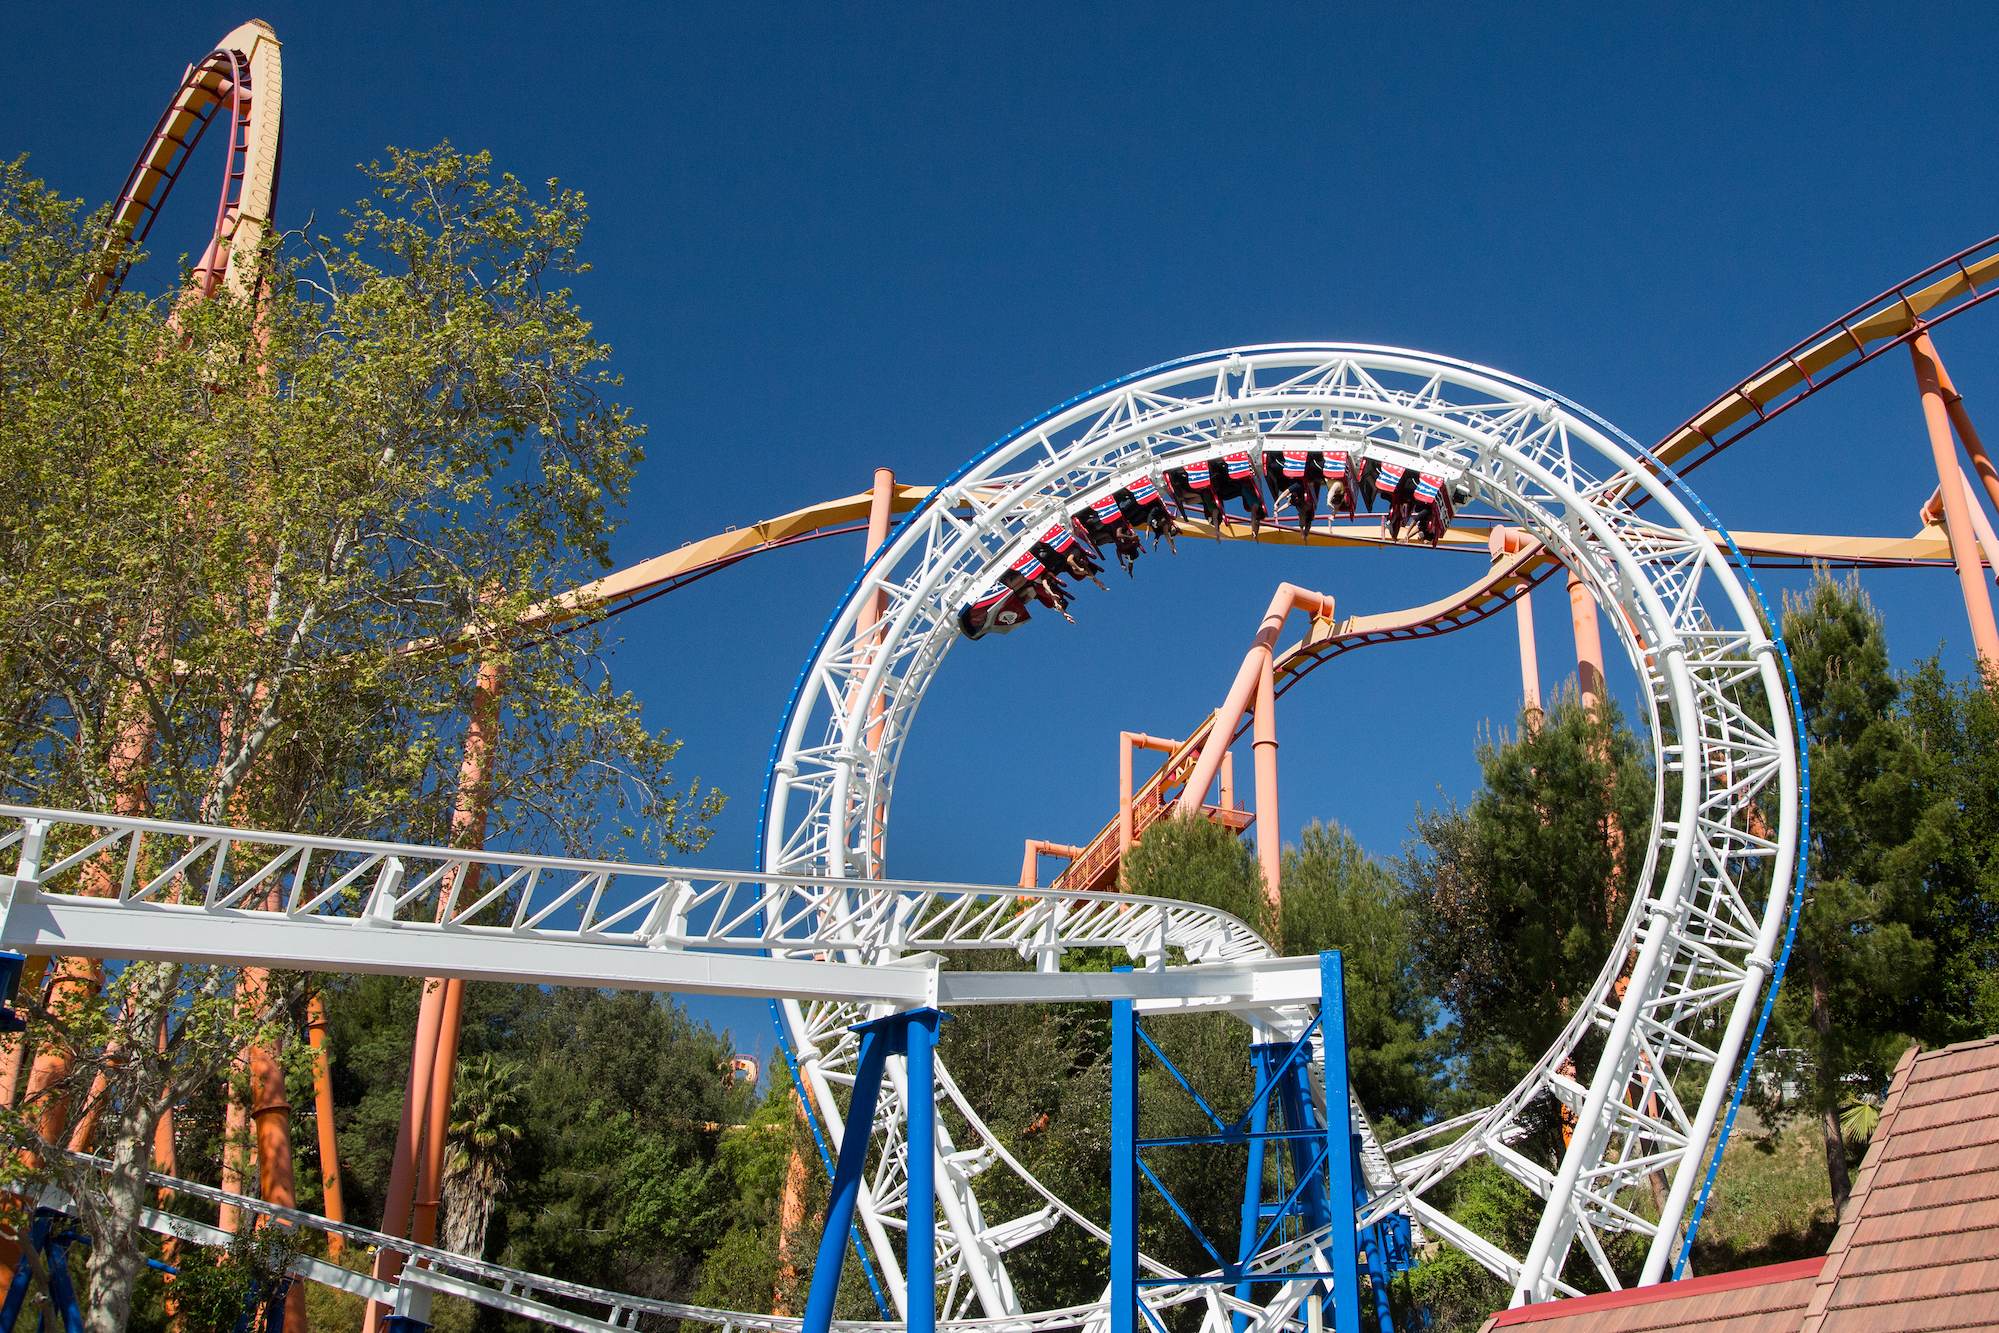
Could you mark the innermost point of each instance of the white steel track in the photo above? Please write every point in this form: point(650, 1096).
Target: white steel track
point(1673, 1001)
point(109, 886)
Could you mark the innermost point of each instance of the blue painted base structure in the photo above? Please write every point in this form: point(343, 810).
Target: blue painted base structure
point(912, 1034)
point(49, 1236)
point(1324, 1163)
point(10, 982)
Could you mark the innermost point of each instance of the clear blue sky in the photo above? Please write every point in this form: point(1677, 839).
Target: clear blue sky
point(835, 238)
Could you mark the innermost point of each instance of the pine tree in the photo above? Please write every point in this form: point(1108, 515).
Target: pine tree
point(1518, 898)
point(1955, 726)
point(1856, 952)
point(1336, 896)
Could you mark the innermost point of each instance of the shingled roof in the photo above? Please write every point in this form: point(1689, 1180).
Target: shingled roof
point(1918, 1242)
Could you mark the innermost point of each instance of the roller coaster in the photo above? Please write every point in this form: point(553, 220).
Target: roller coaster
point(1535, 481)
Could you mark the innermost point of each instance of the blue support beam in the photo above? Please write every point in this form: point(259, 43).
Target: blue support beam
point(1339, 1140)
point(1124, 1166)
point(10, 982)
point(1252, 1187)
point(17, 1291)
point(902, 1034)
point(1329, 1191)
point(920, 1037)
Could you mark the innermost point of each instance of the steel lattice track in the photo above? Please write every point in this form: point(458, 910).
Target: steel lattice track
point(1694, 951)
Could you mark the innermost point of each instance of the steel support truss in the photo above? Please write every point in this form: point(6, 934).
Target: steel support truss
point(1672, 1003)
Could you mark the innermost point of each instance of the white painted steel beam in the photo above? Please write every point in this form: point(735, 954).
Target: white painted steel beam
point(105, 928)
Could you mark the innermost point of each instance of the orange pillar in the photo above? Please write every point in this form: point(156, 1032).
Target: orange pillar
point(329, 1141)
point(1268, 844)
point(76, 982)
point(1242, 693)
point(1225, 793)
point(1954, 404)
point(402, 1166)
point(430, 1177)
point(880, 512)
point(1957, 515)
point(1530, 666)
point(1589, 643)
point(1030, 862)
point(1988, 541)
point(271, 1117)
point(790, 1216)
point(1502, 543)
point(166, 1161)
point(15, 1045)
point(1127, 741)
point(419, 1153)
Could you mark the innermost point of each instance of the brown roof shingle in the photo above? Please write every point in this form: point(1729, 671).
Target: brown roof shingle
point(1749, 1300)
point(1918, 1242)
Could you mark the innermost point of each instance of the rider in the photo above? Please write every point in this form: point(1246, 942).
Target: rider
point(1294, 476)
point(1058, 549)
point(1341, 474)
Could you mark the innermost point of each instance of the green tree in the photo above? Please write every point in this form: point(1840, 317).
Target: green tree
point(405, 440)
point(1336, 896)
point(743, 1270)
point(617, 1179)
point(1857, 950)
point(1519, 897)
point(1191, 858)
point(1955, 726)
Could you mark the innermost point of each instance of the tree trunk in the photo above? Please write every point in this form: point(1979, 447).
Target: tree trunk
point(116, 1258)
point(1835, 1141)
point(467, 1201)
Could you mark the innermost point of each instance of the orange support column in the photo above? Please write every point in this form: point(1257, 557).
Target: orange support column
point(1957, 515)
point(1953, 402)
point(1530, 665)
point(402, 1166)
point(235, 1129)
point(1502, 543)
point(271, 1117)
point(1269, 846)
point(1589, 643)
point(416, 1170)
point(1127, 741)
point(430, 1176)
point(332, 1204)
point(1030, 861)
point(1255, 666)
point(1988, 541)
point(881, 510)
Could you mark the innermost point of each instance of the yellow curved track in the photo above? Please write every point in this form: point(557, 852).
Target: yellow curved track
point(245, 72)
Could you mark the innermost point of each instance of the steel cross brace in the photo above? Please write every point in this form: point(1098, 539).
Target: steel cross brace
point(1283, 1077)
